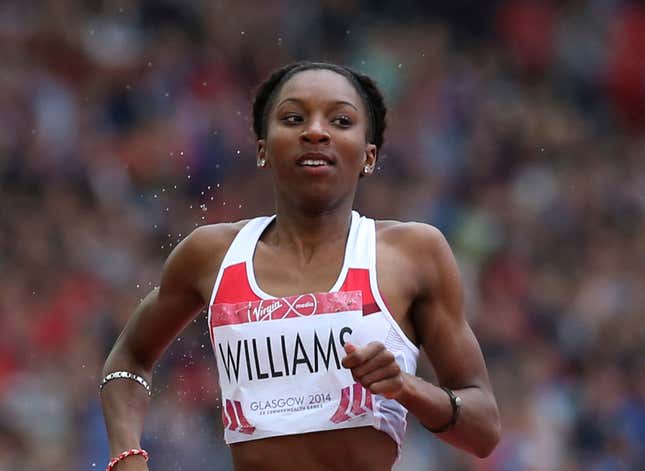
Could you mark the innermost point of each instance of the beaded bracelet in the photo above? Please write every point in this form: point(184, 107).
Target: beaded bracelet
point(124, 455)
point(125, 375)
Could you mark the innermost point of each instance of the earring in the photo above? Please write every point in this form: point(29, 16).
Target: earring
point(367, 169)
point(262, 163)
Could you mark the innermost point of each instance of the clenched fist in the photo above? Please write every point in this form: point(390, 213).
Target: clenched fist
point(375, 368)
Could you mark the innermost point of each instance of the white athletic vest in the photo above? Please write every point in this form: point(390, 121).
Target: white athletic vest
point(279, 359)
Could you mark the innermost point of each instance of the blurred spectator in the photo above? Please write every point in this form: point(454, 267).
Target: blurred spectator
point(519, 132)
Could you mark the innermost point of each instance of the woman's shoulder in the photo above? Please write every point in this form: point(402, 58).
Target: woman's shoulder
point(197, 257)
point(206, 245)
point(421, 245)
point(409, 233)
point(213, 238)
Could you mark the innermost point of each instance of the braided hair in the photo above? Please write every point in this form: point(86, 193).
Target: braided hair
point(364, 85)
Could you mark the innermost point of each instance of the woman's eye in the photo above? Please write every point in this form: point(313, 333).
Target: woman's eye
point(292, 119)
point(343, 121)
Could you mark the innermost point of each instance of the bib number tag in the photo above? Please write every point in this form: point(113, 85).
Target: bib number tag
point(280, 368)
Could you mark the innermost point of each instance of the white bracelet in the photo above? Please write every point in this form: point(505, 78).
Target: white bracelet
point(125, 375)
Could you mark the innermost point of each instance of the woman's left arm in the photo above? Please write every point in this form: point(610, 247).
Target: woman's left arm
point(451, 346)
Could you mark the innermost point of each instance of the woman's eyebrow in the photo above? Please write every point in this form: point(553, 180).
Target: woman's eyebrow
point(300, 102)
point(342, 102)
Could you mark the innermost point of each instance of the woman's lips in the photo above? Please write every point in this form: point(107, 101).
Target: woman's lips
point(315, 160)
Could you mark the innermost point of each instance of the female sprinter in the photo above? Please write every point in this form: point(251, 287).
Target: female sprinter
point(316, 314)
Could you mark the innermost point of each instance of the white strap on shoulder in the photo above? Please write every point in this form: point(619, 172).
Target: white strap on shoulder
point(243, 246)
point(360, 250)
point(241, 249)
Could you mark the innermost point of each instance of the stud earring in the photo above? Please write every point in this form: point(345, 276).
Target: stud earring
point(367, 169)
point(262, 163)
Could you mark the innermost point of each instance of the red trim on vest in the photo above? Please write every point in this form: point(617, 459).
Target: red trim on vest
point(358, 279)
point(234, 286)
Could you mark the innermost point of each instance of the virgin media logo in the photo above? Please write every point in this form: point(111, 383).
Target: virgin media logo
point(299, 306)
point(261, 313)
point(304, 305)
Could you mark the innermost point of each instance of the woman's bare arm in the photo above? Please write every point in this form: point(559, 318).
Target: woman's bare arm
point(453, 350)
point(187, 275)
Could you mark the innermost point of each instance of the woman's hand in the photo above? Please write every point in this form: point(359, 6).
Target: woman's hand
point(375, 368)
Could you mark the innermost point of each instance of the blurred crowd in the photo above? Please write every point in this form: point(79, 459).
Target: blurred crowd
point(517, 128)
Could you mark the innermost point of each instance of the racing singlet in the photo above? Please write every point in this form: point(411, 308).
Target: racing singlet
point(279, 359)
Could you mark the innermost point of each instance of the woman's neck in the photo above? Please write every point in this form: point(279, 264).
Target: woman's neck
point(308, 232)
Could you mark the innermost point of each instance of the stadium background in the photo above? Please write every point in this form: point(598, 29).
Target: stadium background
point(516, 127)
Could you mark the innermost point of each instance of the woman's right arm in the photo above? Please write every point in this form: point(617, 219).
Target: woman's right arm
point(187, 275)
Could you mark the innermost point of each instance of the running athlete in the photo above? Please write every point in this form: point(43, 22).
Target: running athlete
point(316, 314)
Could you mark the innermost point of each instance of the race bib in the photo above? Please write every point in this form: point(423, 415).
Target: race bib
point(279, 363)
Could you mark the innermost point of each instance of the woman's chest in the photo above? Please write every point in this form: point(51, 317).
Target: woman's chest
point(387, 280)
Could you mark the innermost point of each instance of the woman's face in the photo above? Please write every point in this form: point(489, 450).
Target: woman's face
point(316, 142)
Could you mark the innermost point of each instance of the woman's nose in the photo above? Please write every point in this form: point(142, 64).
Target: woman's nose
point(315, 133)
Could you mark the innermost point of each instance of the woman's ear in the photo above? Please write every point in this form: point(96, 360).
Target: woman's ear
point(261, 154)
point(369, 164)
